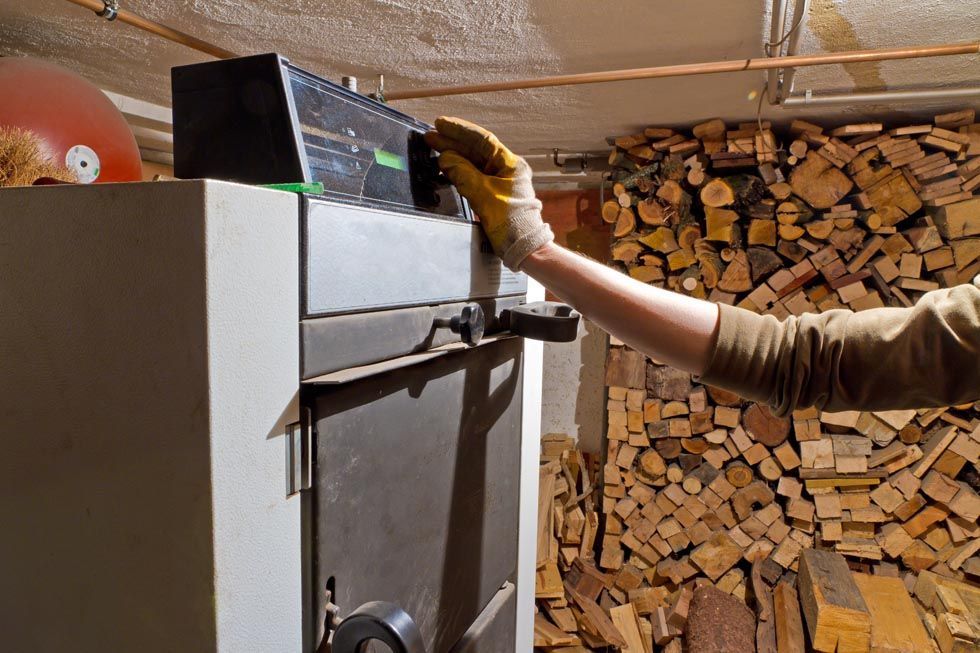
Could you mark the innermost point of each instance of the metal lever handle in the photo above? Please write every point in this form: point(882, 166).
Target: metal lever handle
point(548, 321)
point(379, 620)
point(469, 324)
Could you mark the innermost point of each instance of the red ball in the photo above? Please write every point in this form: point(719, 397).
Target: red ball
point(77, 123)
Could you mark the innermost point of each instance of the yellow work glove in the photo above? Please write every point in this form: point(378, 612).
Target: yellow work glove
point(497, 184)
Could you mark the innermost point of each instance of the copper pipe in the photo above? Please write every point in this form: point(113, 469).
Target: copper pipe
point(764, 63)
point(159, 29)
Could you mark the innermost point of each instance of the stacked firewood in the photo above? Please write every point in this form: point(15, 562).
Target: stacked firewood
point(699, 487)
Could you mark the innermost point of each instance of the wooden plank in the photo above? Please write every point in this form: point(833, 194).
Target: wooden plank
point(789, 623)
point(603, 624)
point(624, 617)
point(895, 625)
point(546, 494)
point(933, 449)
point(547, 634)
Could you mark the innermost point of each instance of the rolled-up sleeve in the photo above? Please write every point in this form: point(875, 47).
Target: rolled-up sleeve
point(880, 359)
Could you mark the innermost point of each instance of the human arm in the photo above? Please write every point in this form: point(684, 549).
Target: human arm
point(880, 359)
point(927, 355)
point(666, 326)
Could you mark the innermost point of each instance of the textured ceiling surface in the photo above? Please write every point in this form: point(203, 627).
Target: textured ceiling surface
point(440, 42)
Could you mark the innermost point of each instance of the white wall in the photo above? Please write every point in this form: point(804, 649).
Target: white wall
point(530, 448)
point(573, 390)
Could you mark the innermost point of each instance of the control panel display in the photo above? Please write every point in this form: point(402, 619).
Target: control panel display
point(358, 151)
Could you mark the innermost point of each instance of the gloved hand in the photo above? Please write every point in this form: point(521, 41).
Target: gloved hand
point(497, 184)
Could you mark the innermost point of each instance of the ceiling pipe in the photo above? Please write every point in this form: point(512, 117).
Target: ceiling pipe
point(707, 68)
point(110, 11)
point(885, 97)
point(775, 36)
point(800, 14)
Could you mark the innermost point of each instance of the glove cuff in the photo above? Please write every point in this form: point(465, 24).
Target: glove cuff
point(532, 239)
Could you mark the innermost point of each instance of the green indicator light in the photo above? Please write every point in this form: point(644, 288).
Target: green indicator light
point(390, 160)
point(313, 188)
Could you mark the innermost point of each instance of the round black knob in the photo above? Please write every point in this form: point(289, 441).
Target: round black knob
point(381, 621)
point(469, 324)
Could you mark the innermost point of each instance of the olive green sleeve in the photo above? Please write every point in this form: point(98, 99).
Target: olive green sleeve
point(879, 359)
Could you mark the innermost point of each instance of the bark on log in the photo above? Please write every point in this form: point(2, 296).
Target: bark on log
point(710, 263)
point(762, 262)
point(739, 190)
point(718, 623)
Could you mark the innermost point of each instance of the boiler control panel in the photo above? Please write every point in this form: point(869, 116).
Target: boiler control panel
point(262, 120)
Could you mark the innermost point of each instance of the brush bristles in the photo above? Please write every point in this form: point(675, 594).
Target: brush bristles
point(23, 160)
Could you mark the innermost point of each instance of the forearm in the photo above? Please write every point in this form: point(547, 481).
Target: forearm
point(667, 326)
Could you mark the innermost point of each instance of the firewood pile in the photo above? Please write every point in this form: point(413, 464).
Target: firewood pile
point(699, 490)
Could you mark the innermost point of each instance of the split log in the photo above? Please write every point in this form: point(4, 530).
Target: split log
point(762, 232)
point(687, 236)
point(717, 555)
point(818, 182)
point(789, 623)
point(765, 427)
point(661, 240)
point(719, 225)
point(650, 212)
point(610, 211)
point(626, 251)
point(793, 211)
point(756, 493)
point(625, 619)
point(710, 263)
point(625, 223)
point(791, 232)
point(836, 615)
point(895, 624)
point(765, 634)
point(739, 190)
point(820, 229)
point(738, 275)
point(762, 262)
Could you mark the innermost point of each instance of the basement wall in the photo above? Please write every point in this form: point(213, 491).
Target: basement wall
point(573, 391)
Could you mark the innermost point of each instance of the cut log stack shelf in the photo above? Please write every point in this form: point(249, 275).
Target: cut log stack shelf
point(848, 532)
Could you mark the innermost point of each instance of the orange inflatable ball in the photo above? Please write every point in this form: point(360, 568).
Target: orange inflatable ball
point(75, 122)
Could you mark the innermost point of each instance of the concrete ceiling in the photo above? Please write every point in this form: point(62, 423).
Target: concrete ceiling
point(441, 42)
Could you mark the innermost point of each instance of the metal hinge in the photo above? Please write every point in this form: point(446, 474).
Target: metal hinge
point(299, 453)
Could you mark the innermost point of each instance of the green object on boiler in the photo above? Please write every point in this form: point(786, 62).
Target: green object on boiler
point(313, 188)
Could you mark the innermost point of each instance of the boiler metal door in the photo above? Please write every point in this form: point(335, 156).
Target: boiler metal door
point(415, 490)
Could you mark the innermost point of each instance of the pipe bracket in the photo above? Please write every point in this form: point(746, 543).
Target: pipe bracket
point(110, 10)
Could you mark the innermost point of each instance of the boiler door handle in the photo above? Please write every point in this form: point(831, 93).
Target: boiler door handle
point(548, 321)
point(379, 620)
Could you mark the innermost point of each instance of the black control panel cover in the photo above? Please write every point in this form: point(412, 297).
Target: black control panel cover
point(261, 120)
